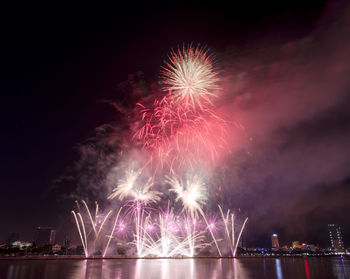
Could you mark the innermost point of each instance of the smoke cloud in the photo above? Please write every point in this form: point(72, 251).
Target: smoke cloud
point(291, 153)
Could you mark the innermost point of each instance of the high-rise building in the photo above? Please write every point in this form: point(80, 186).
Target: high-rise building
point(45, 235)
point(335, 237)
point(275, 243)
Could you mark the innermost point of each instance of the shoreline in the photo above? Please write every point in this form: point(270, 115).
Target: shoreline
point(77, 257)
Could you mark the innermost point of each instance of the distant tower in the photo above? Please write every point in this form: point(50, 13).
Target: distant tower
point(45, 235)
point(275, 243)
point(335, 237)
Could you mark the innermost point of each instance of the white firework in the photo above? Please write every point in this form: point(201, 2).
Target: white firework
point(190, 77)
point(128, 188)
point(192, 194)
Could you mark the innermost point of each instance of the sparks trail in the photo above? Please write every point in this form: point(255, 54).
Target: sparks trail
point(139, 197)
point(166, 235)
point(96, 225)
point(193, 197)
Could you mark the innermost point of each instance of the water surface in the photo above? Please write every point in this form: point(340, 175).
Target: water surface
point(335, 267)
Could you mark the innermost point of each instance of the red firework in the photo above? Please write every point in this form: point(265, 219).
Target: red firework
point(182, 128)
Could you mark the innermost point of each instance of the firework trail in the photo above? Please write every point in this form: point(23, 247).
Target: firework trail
point(239, 236)
point(83, 239)
point(139, 197)
point(96, 224)
point(193, 196)
point(112, 232)
point(172, 237)
point(231, 237)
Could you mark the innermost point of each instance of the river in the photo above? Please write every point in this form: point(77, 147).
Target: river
point(311, 267)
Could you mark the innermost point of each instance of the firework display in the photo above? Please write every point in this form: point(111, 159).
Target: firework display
point(179, 133)
point(182, 129)
point(190, 78)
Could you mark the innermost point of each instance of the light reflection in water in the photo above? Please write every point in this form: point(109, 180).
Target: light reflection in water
point(278, 269)
point(307, 273)
point(217, 270)
point(341, 269)
point(84, 269)
point(164, 269)
point(342, 263)
point(246, 268)
point(10, 272)
point(239, 271)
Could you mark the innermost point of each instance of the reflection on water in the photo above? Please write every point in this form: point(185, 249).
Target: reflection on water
point(278, 269)
point(307, 269)
point(177, 268)
point(342, 263)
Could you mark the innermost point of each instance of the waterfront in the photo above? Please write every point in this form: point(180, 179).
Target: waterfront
point(307, 267)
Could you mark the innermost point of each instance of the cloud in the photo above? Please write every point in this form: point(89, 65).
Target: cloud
point(293, 101)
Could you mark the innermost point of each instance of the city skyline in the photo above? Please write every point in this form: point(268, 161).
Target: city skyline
point(286, 93)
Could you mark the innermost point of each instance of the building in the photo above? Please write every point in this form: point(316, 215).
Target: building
point(45, 235)
point(296, 245)
point(275, 243)
point(335, 237)
point(22, 245)
point(12, 238)
point(56, 248)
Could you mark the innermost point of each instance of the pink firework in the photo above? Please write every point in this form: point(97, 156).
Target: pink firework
point(181, 128)
point(178, 136)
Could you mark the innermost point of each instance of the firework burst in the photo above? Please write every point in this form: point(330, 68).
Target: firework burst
point(190, 77)
point(125, 186)
point(192, 194)
point(177, 136)
point(180, 130)
point(128, 187)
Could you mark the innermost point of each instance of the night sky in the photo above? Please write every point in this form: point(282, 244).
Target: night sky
point(287, 69)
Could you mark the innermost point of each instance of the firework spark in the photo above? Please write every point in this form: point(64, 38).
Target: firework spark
point(128, 188)
point(180, 130)
point(125, 186)
point(231, 237)
point(192, 194)
point(190, 77)
point(97, 225)
point(180, 137)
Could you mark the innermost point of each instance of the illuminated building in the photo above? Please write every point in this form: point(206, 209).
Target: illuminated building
point(45, 235)
point(335, 237)
point(12, 238)
point(22, 245)
point(275, 243)
point(296, 244)
point(56, 248)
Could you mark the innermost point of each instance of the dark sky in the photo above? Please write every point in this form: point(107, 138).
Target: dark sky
point(56, 66)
